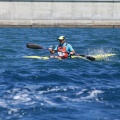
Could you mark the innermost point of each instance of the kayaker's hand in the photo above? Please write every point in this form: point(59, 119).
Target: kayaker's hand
point(50, 49)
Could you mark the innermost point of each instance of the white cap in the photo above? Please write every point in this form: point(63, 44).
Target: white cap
point(61, 38)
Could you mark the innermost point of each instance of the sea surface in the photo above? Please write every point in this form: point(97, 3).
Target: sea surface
point(69, 89)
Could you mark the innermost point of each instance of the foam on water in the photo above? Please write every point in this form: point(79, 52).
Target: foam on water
point(103, 53)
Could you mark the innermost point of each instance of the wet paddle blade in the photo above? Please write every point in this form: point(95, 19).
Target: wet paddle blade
point(90, 58)
point(33, 46)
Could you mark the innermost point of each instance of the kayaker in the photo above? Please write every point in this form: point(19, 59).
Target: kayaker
point(64, 49)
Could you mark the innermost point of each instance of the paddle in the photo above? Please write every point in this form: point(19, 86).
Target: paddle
point(35, 46)
point(87, 57)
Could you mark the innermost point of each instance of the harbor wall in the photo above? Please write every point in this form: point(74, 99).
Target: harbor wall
point(60, 14)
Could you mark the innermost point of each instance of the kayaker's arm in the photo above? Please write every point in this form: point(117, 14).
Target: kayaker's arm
point(51, 50)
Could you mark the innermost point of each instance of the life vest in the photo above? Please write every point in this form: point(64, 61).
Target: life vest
point(62, 52)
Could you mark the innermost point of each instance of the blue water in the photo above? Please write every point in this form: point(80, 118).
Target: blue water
point(71, 89)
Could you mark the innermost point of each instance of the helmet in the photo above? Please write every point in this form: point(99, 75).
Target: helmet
point(61, 38)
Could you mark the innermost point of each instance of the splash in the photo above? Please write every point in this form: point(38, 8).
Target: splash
point(102, 54)
point(101, 51)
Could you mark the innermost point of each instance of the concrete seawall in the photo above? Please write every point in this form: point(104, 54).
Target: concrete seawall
point(59, 14)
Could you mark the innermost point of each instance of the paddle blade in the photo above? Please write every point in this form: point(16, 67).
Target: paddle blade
point(33, 46)
point(88, 57)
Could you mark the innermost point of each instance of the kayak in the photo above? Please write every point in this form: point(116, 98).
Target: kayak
point(38, 57)
point(97, 57)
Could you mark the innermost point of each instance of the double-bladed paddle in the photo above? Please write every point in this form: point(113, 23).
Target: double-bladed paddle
point(35, 46)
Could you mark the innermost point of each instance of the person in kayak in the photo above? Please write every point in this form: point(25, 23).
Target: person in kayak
point(64, 49)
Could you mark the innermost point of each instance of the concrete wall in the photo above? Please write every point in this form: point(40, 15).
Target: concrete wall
point(60, 14)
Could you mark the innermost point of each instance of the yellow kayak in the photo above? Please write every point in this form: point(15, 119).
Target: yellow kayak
point(37, 57)
point(103, 57)
point(97, 57)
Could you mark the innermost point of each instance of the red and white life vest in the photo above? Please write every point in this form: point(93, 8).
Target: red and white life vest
point(62, 52)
